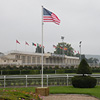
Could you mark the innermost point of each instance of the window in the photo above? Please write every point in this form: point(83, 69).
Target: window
point(17, 56)
point(33, 60)
point(47, 60)
point(14, 60)
point(4, 60)
point(38, 59)
point(28, 59)
point(23, 59)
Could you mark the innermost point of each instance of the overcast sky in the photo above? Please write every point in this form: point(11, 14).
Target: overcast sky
point(21, 20)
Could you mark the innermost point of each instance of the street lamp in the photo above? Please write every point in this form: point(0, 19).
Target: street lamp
point(62, 37)
point(80, 49)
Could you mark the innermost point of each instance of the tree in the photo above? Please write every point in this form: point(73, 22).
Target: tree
point(92, 60)
point(82, 56)
point(95, 60)
point(84, 81)
point(84, 68)
point(39, 49)
point(59, 49)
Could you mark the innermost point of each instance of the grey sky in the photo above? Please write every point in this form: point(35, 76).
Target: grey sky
point(21, 20)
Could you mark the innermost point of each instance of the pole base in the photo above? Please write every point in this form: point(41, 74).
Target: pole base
point(43, 91)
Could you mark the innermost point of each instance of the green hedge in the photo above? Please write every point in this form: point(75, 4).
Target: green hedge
point(49, 71)
point(46, 71)
point(84, 82)
point(96, 70)
point(10, 72)
point(60, 71)
point(18, 72)
point(70, 71)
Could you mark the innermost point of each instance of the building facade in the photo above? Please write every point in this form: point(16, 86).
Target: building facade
point(19, 58)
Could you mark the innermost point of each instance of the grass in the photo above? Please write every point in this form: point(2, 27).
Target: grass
point(63, 90)
point(70, 90)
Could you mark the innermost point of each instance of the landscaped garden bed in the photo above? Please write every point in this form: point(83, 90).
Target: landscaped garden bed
point(18, 95)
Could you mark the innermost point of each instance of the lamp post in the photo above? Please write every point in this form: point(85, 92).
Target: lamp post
point(80, 49)
point(62, 37)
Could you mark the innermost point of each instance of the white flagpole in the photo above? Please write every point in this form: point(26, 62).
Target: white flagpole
point(42, 49)
point(25, 46)
point(16, 46)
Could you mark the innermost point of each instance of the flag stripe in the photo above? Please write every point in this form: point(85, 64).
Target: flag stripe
point(50, 17)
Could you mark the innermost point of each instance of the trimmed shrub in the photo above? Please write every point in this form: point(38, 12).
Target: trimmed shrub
point(84, 82)
point(84, 68)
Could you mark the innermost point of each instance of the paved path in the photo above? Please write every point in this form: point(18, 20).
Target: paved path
point(69, 97)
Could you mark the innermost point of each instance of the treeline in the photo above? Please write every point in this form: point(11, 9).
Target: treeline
point(29, 70)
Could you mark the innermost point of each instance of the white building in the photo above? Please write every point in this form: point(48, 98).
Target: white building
point(34, 59)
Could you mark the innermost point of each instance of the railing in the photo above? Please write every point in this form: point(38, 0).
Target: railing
point(35, 80)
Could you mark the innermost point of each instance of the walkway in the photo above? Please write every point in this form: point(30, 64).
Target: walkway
point(69, 97)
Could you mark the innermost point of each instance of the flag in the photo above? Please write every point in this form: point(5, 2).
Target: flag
point(75, 51)
point(54, 46)
point(78, 52)
point(65, 48)
point(17, 42)
point(33, 44)
point(61, 47)
point(38, 45)
point(49, 16)
point(26, 43)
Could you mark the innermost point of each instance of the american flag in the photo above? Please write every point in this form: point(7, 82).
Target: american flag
point(49, 16)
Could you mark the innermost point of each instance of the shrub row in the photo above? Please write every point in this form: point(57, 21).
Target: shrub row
point(46, 71)
point(96, 70)
point(17, 72)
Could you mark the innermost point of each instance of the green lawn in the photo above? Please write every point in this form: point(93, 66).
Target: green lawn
point(64, 90)
point(70, 90)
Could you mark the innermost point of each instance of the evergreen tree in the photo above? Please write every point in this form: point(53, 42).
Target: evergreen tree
point(84, 68)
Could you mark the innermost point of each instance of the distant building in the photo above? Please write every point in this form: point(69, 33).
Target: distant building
point(34, 59)
point(1, 54)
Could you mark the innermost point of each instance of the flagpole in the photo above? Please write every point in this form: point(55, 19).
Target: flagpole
point(25, 46)
point(42, 49)
point(16, 46)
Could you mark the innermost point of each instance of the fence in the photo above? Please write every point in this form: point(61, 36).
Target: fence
point(35, 80)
